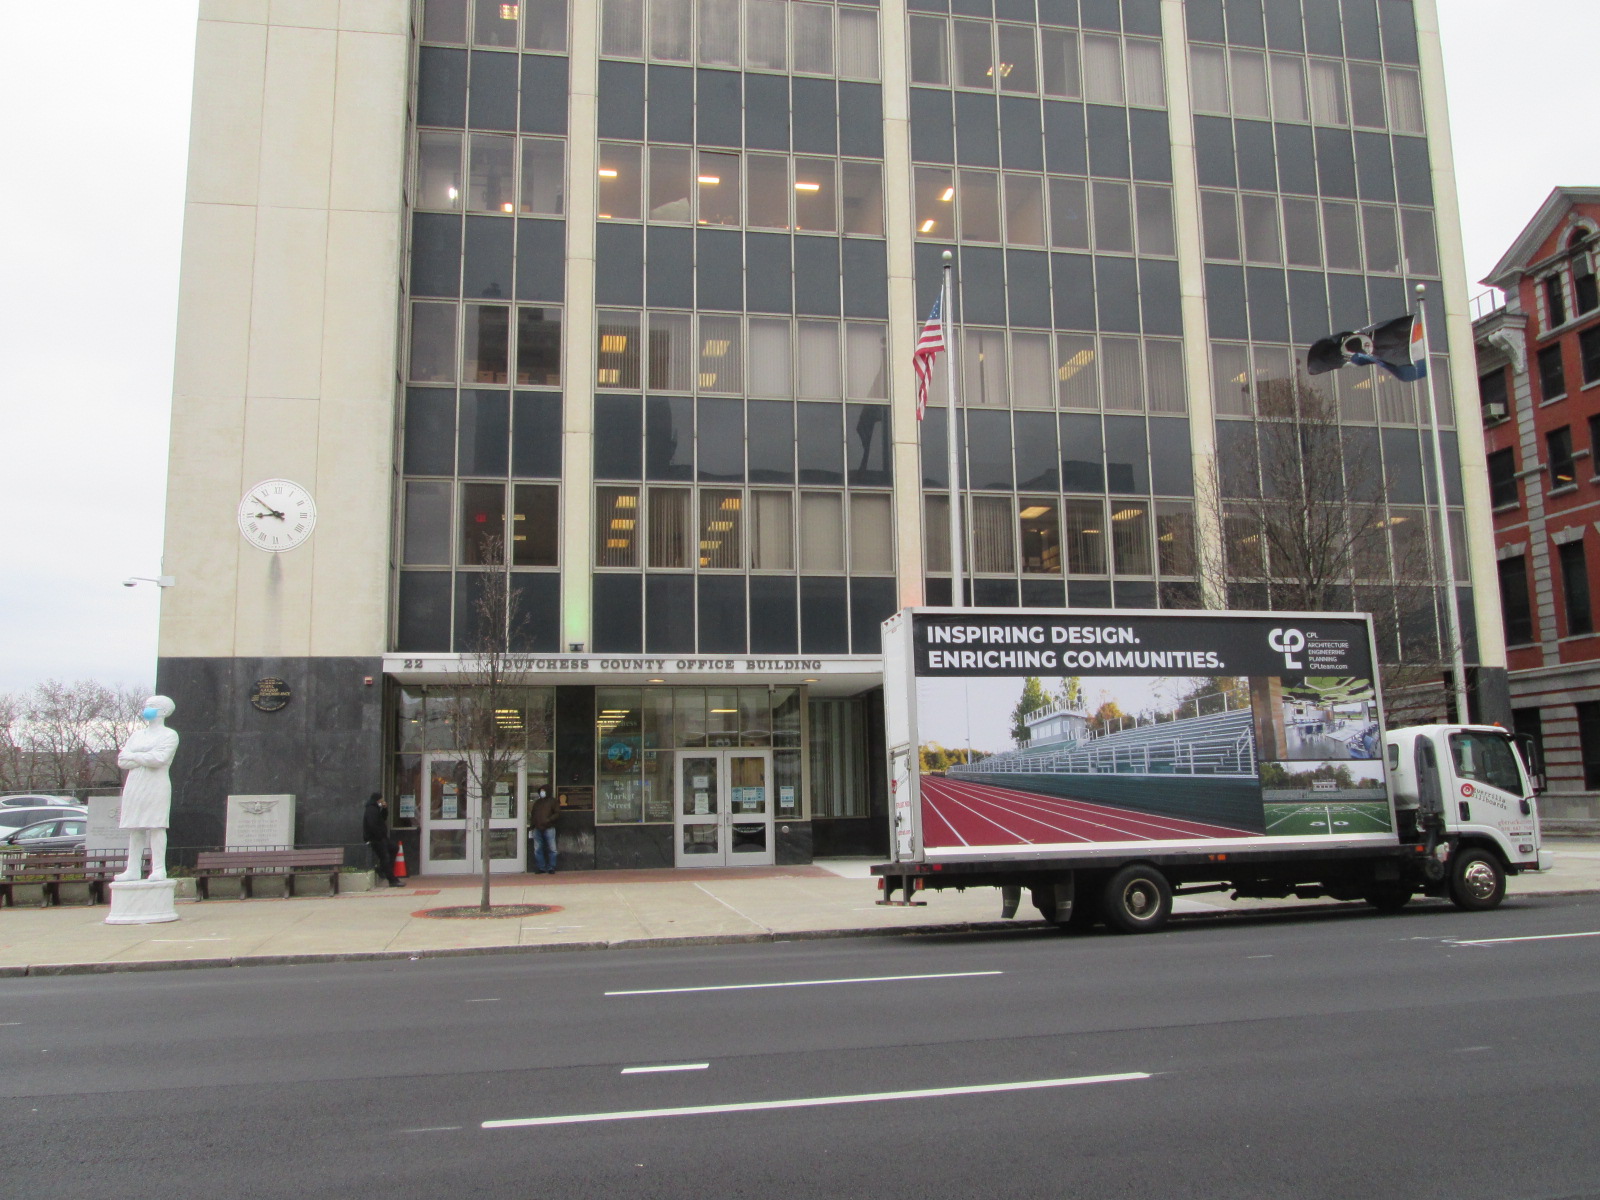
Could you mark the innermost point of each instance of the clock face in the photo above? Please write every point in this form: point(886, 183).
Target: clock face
point(277, 515)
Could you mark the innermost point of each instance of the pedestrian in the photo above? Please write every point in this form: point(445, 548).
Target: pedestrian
point(375, 830)
point(544, 813)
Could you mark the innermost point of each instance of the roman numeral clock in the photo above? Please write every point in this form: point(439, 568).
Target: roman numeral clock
point(277, 515)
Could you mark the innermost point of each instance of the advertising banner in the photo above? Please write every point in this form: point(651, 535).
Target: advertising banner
point(1051, 731)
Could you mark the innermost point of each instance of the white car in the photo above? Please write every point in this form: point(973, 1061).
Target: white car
point(32, 801)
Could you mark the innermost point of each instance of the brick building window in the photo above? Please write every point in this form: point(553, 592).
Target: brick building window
point(1502, 478)
point(1552, 378)
point(1514, 604)
point(1589, 742)
point(1575, 588)
point(1558, 456)
point(1589, 354)
point(1555, 302)
point(1491, 392)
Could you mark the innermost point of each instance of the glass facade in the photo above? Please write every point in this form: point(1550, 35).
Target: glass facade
point(739, 410)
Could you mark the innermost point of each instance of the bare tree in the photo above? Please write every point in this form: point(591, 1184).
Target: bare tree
point(56, 736)
point(488, 708)
point(13, 755)
point(1307, 524)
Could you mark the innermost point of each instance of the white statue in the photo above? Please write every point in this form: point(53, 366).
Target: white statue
point(147, 793)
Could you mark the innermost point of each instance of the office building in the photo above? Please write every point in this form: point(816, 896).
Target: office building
point(626, 292)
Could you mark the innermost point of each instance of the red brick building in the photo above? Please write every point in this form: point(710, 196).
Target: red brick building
point(1539, 381)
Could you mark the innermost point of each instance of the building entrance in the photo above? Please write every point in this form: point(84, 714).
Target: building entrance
point(454, 827)
point(724, 814)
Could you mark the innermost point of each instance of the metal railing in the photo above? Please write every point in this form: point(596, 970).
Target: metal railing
point(1218, 745)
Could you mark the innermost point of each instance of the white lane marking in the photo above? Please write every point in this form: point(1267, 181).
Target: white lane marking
point(10, 1022)
point(672, 1067)
point(737, 987)
point(1532, 937)
point(817, 1101)
point(433, 1129)
point(486, 1000)
point(1258, 956)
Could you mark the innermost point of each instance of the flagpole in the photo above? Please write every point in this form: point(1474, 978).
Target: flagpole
point(1458, 666)
point(957, 493)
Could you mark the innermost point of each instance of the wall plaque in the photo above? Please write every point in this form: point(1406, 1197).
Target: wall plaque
point(269, 695)
point(574, 797)
point(260, 823)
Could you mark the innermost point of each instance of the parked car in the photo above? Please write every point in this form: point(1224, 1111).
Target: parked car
point(58, 833)
point(38, 802)
point(17, 818)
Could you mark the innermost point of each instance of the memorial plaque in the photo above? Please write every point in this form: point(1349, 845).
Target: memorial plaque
point(102, 831)
point(260, 822)
point(575, 797)
point(270, 694)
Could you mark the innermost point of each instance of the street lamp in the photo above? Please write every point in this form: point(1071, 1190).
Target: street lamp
point(161, 581)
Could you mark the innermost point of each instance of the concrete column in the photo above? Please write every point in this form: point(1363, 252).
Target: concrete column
point(1192, 290)
point(904, 320)
point(1456, 335)
point(578, 334)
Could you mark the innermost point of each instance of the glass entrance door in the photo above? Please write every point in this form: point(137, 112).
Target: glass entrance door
point(724, 808)
point(455, 826)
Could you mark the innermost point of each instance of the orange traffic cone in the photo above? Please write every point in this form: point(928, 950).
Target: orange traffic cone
point(400, 860)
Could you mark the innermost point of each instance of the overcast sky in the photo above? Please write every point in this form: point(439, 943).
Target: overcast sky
point(95, 142)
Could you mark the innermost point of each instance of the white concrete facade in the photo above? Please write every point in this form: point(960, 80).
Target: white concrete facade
point(287, 342)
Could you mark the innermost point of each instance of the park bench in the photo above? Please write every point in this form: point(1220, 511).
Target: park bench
point(248, 864)
point(52, 868)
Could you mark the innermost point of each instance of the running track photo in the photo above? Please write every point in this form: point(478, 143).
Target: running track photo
point(958, 813)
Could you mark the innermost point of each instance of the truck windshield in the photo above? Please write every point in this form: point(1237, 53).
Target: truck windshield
point(1486, 758)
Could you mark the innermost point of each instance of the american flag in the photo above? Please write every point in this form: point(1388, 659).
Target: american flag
point(929, 344)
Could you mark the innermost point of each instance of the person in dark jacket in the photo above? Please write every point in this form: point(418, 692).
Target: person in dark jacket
point(543, 814)
point(375, 830)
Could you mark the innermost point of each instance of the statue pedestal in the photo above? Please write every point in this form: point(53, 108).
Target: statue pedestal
point(142, 902)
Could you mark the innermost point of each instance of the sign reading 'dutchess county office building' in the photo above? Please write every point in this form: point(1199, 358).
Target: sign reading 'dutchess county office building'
point(260, 822)
point(1051, 730)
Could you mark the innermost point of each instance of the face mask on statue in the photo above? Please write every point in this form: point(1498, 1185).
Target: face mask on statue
point(149, 714)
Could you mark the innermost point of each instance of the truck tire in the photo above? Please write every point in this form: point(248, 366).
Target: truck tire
point(1388, 897)
point(1477, 880)
point(1137, 899)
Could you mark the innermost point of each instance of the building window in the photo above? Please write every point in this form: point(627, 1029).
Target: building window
point(1552, 378)
point(1493, 395)
point(1502, 478)
point(1575, 588)
point(1558, 445)
point(1555, 302)
point(1514, 606)
point(1589, 355)
point(1589, 741)
point(1584, 290)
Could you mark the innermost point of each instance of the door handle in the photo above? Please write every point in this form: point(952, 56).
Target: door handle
point(1466, 811)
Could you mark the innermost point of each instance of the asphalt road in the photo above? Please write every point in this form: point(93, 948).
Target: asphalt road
point(1341, 1056)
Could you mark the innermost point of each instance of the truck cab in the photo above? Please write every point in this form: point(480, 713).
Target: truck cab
point(1465, 786)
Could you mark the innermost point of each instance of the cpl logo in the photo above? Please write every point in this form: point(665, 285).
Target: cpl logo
point(1288, 642)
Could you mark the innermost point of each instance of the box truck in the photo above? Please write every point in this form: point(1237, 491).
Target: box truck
point(1104, 761)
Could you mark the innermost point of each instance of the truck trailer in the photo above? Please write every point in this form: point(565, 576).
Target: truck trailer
point(1104, 761)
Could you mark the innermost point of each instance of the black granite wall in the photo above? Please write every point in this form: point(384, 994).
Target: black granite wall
point(628, 847)
point(325, 746)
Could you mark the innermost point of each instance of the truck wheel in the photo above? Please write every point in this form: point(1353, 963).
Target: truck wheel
point(1477, 880)
point(1137, 900)
point(1389, 897)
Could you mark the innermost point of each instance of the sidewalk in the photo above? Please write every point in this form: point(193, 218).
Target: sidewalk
point(591, 910)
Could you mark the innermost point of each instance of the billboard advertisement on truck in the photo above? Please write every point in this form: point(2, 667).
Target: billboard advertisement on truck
point(1034, 733)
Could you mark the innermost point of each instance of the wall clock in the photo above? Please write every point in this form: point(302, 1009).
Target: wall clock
point(277, 515)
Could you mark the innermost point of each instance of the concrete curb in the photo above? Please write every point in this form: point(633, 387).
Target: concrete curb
point(946, 928)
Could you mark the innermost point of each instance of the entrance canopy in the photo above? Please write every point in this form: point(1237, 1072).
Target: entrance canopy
point(823, 675)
